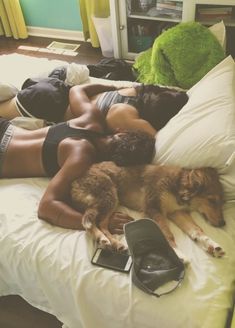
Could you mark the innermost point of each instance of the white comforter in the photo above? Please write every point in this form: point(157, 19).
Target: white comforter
point(50, 266)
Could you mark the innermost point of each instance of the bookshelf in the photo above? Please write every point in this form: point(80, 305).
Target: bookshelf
point(136, 23)
point(210, 12)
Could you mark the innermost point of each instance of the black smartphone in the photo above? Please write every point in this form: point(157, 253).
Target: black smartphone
point(110, 259)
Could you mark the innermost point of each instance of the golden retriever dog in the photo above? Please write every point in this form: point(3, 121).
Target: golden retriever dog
point(159, 192)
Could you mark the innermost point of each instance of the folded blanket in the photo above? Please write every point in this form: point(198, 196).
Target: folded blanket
point(180, 56)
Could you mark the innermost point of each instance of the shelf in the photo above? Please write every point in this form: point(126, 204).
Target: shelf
point(141, 33)
point(152, 12)
point(215, 2)
point(222, 12)
point(159, 18)
point(212, 22)
point(138, 23)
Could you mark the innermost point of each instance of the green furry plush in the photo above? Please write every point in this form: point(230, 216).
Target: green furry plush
point(180, 56)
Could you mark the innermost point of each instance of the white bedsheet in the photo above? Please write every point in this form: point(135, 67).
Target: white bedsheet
point(50, 266)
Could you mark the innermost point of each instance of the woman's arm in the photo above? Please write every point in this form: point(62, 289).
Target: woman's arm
point(94, 89)
point(81, 106)
point(80, 98)
point(54, 206)
point(79, 101)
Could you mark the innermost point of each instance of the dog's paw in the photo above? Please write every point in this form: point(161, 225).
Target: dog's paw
point(216, 251)
point(181, 256)
point(210, 246)
point(112, 243)
point(119, 246)
point(104, 242)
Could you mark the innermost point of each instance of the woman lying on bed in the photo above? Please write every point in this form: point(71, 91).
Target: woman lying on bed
point(143, 107)
point(64, 152)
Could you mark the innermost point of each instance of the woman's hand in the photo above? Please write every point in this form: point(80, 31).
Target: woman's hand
point(117, 221)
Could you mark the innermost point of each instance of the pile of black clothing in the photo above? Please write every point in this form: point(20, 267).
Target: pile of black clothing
point(107, 68)
point(113, 69)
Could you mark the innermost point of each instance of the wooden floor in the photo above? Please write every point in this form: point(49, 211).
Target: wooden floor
point(17, 313)
point(86, 53)
point(14, 311)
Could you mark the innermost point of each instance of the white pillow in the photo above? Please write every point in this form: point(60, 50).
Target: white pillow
point(219, 32)
point(203, 132)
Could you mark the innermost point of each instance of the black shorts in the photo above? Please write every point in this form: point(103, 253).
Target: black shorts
point(46, 99)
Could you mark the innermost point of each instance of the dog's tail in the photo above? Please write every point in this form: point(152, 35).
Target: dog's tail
point(89, 218)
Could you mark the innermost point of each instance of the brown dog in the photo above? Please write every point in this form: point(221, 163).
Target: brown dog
point(159, 192)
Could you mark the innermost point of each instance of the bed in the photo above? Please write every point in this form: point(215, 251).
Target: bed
point(51, 268)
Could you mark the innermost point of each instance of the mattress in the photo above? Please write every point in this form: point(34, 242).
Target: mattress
point(50, 267)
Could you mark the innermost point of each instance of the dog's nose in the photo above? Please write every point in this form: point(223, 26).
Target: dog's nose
point(221, 223)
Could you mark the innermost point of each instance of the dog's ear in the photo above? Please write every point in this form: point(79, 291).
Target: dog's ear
point(191, 183)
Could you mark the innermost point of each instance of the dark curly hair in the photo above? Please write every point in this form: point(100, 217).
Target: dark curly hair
point(131, 148)
point(158, 105)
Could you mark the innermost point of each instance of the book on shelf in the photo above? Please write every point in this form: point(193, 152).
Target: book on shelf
point(167, 6)
point(215, 13)
point(171, 9)
point(169, 14)
point(170, 2)
point(215, 10)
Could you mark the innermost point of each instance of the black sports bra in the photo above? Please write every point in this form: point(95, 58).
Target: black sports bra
point(55, 135)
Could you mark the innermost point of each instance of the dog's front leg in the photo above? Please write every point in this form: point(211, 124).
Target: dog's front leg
point(162, 223)
point(114, 242)
point(185, 222)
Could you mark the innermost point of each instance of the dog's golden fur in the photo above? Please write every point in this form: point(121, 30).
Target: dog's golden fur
point(158, 191)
